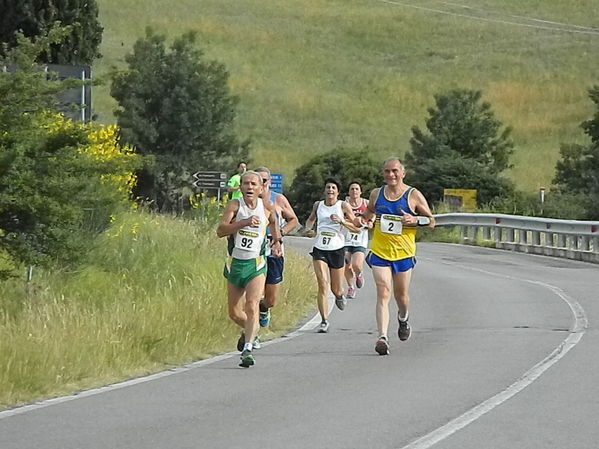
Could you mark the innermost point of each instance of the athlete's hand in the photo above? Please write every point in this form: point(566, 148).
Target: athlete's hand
point(335, 218)
point(275, 249)
point(310, 233)
point(254, 221)
point(366, 224)
point(408, 219)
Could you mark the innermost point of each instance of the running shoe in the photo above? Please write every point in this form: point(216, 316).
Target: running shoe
point(256, 343)
point(264, 318)
point(359, 280)
point(382, 346)
point(247, 359)
point(324, 327)
point(241, 342)
point(340, 302)
point(351, 293)
point(404, 330)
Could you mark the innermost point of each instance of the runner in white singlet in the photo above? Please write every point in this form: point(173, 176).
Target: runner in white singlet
point(332, 216)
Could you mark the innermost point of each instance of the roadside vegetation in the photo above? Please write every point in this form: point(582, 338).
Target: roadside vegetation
point(149, 296)
point(123, 266)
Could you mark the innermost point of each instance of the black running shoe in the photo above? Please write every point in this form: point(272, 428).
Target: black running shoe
point(241, 342)
point(404, 330)
point(382, 346)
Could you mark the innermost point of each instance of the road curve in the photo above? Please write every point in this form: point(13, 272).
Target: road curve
point(502, 355)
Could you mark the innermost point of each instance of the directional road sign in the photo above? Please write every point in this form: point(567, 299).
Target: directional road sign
point(210, 180)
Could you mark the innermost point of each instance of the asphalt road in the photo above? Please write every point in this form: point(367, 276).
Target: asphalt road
point(502, 355)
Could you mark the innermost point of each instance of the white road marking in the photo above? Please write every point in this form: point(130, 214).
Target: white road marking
point(576, 333)
point(138, 380)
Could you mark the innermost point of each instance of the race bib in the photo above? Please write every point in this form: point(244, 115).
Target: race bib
point(391, 224)
point(353, 237)
point(247, 240)
point(326, 240)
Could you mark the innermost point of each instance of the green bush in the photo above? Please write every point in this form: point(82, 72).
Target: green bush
point(344, 165)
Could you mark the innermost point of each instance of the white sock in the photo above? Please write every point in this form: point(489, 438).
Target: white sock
point(400, 318)
point(247, 346)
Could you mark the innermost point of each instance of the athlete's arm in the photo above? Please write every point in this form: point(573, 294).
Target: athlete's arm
point(311, 219)
point(288, 214)
point(227, 226)
point(275, 232)
point(424, 217)
point(369, 214)
point(349, 218)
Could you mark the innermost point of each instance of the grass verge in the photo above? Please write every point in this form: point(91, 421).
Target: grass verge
point(152, 296)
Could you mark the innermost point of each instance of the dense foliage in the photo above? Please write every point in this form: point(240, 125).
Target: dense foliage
point(59, 180)
point(464, 148)
point(175, 106)
point(35, 17)
point(576, 179)
point(344, 165)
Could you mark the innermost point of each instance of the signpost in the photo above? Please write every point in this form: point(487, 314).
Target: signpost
point(276, 182)
point(210, 180)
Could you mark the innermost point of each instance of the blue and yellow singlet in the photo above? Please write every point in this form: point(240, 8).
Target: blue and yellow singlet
point(390, 240)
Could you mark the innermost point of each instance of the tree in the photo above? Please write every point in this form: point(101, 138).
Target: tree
point(175, 106)
point(344, 165)
point(54, 173)
point(577, 172)
point(464, 148)
point(35, 17)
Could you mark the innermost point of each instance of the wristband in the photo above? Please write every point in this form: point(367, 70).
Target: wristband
point(423, 221)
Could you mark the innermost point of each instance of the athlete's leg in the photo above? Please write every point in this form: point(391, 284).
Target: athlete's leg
point(237, 301)
point(357, 262)
point(336, 281)
point(321, 271)
point(383, 280)
point(253, 293)
point(348, 271)
point(401, 286)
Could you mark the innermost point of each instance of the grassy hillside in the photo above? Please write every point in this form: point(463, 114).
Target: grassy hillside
point(313, 75)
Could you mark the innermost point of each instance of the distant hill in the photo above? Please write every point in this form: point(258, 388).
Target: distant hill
point(313, 75)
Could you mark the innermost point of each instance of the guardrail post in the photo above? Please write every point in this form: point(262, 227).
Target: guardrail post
point(510, 237)
point(522, 237)
point(585, 243)
point(463, 232)
point(561, 241)
point(486, 233)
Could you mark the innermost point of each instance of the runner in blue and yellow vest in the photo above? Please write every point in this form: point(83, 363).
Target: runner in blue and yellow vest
point(397, 210)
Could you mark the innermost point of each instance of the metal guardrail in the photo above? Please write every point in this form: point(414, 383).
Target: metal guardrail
point(570, 239)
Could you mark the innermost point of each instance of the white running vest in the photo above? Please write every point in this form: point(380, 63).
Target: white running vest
point(249, 240)
point(329, 235)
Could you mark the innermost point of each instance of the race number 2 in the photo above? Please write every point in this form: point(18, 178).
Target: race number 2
point(391, 224)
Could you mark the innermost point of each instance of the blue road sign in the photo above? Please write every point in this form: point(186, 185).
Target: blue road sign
point(276, 182)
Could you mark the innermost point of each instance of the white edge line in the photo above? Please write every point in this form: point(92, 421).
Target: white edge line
point(311, 324)
point(576, 334)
